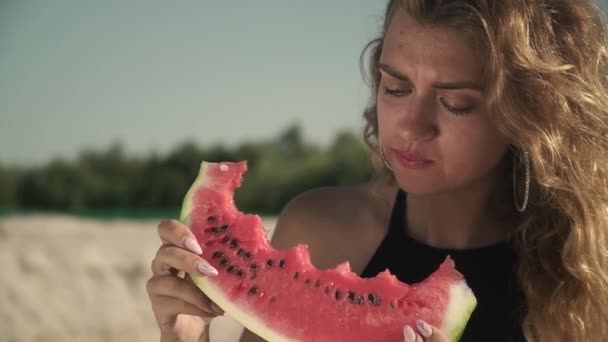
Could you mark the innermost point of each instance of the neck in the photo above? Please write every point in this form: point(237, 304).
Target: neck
point(459, 219)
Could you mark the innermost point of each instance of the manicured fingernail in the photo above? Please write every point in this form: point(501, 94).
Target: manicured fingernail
point(217, 309)
point(193, 246)
point(409, 334)
point(424, 328)
point(206, 269)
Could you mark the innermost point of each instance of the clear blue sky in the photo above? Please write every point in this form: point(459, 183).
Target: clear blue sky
point(80, 74)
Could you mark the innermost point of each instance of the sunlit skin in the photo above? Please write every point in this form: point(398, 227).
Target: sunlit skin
point(430, 108)
point(430, 102)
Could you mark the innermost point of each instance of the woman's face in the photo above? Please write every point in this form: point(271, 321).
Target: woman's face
point(430, 108)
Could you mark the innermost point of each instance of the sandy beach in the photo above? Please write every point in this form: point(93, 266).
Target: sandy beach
point(73, 279)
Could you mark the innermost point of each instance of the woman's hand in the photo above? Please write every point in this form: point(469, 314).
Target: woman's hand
point(182, 311)
point(423, 332)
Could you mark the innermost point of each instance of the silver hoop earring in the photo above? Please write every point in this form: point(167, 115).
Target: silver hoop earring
point(521, 208)
point(383, 157)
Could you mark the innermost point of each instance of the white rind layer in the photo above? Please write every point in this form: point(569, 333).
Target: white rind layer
point(211, 290)
point(247, 319)
point(184, 215)
point(461, 305)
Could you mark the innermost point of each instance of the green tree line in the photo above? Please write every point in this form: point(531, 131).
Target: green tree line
point(278, 169)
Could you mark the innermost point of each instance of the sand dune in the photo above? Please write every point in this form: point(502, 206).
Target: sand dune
point(71, 279)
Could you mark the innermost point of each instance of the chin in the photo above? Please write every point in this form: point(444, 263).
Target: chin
point(418, 186)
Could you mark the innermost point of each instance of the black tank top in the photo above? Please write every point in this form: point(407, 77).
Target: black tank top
point(489, 271)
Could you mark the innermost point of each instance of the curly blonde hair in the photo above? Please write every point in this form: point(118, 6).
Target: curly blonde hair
point(547, 90)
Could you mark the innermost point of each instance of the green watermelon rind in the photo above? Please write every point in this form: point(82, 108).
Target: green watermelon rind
point(453, 331)
point(207, 286)
point(246, 319)
point(184, 216)
point(462, 300)
point(462, 304)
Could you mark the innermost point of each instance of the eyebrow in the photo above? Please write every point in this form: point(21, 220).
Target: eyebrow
point(442, 85)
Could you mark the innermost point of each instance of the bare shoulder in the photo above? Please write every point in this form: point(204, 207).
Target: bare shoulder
point(334, 221)
point(338, 224)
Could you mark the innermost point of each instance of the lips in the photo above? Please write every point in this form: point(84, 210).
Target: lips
point(412, 160)
point(413, 157)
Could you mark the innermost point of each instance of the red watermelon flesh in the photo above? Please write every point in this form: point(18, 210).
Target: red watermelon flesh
point(281, 296)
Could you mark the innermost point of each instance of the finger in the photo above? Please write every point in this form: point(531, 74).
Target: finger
point(429, 332)
point(424, 329)
point(167, 308)
point(175, 233)
point(409, 335)
point(173, 287)
point(214, 306)
point(171, 257)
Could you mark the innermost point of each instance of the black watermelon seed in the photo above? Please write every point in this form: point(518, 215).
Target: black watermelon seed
point(317, 283)
point(240, 252)
point(217, 255)
point(282, 263)
point(360, 300)
point(338, 295)
point(247, 256)
point(234, 243)
point(269, 263)
point(307, 281)
point(351, 296)
point(211, 218)
point(217, 230)
point(240, 274)
point(224, 261)
point(326, 290)
point(393, 304)
point(253, 267)
point(231, 269)
point(373, 299)
point(296, 275)
point(226, 239)
point(253, 290)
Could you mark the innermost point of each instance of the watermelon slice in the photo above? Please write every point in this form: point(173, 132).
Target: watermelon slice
point(281, 296)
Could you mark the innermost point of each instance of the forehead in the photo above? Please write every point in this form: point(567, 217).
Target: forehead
point(439, 50)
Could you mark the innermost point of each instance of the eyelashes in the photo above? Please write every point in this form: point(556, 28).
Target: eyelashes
point(453, 109)
point(396, 93)
point(456, 110)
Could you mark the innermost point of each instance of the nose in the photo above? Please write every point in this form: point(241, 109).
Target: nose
point(417, 122)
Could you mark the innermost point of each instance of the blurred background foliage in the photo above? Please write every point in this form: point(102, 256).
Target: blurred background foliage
point(110, 183)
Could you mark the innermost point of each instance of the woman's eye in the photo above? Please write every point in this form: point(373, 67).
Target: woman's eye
point(453, 109)
point(457, 110)
point(396, 92)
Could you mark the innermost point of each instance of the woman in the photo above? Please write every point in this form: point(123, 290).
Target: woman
point(489, 120)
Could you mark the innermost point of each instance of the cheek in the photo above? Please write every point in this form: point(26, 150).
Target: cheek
point(473, 150)
point(386, 118)
point(383, 118)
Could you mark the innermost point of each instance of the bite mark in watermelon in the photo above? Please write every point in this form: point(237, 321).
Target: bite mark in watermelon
point(281, 296)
